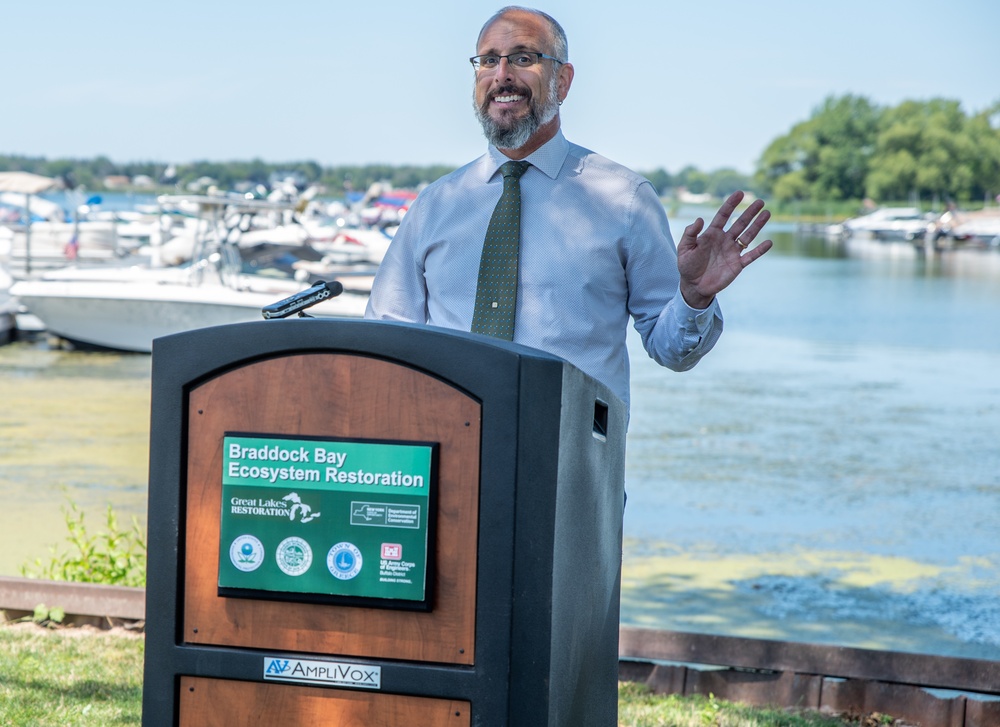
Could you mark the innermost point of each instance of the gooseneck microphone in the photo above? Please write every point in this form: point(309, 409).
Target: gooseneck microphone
point(302, 300)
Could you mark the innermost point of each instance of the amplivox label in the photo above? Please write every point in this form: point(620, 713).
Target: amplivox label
point(323, 672)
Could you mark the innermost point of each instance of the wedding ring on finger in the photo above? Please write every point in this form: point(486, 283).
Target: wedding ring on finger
point(743, 245)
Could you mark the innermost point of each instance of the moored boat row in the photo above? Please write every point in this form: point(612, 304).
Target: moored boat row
point(952, 229)
point(204, 260)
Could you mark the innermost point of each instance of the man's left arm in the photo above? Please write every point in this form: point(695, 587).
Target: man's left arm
point(669, 286)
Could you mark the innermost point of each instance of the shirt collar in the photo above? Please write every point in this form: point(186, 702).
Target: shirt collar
point(548, 158)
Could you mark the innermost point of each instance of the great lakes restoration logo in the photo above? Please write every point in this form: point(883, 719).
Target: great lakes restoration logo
point(246, 553)
point(322, 672)
point(290, 506)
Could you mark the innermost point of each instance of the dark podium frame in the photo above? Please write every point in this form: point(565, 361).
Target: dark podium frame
point(548, 534)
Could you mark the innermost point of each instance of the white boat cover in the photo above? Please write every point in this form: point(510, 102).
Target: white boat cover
point(25, 182)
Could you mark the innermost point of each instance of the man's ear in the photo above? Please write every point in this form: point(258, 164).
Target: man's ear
point(564, 80)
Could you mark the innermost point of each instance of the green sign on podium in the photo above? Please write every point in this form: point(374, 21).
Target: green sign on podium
point(336, 520)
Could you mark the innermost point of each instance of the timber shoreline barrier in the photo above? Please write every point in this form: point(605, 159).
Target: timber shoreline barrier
point(925, 689)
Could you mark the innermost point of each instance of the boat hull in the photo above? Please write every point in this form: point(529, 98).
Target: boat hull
point(128, 316)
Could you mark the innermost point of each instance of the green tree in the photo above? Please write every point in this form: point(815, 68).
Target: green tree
point(849, 148)
point(984, 131)
point(825, 157)
point(924, 149)
point(723, 182)
point(660, 179)
point(692, 179)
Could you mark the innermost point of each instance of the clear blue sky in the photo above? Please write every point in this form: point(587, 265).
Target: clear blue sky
point(658, 83)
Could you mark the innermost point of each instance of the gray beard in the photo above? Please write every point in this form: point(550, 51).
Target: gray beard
point(513, 134)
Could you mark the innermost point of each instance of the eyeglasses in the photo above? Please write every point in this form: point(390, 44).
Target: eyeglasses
point(521, 59)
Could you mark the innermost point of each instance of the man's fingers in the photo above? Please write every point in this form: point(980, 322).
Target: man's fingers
point(692, 231)
point(755, 252)
point(744, 220)
point(747, 230)
point(722, 216)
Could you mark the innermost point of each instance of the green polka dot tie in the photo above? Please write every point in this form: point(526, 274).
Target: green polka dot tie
point(496, 291)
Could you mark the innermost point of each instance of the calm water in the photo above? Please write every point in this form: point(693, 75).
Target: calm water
point(830, 473)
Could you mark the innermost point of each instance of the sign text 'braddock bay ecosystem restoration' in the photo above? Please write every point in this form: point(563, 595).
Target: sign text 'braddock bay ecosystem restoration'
point(325, 516)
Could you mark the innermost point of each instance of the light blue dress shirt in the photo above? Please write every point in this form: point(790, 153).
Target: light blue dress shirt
point(595, 249)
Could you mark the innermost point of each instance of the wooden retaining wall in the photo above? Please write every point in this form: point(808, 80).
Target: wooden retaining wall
point(810, 676)
point(752, 671)
point(83, 603)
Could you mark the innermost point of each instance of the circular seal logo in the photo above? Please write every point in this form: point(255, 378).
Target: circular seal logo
point(294, 556)
point(246, 553)
point(344, 561)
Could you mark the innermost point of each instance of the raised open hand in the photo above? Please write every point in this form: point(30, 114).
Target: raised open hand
point(710, 260)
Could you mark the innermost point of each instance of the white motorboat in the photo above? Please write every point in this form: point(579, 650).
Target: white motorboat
point(980, 228)
point(126, 315)
point(890, 223)
point(8, 308)
point(48, 244)
point(126, 308)
point(354, 246)
point(27, 243)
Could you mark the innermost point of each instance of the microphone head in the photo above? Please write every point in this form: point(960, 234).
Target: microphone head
point(320, 291)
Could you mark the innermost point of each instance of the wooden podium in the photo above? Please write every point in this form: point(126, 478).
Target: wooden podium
point(517, 622)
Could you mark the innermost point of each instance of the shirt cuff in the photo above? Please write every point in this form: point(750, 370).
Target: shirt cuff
point(696, 319)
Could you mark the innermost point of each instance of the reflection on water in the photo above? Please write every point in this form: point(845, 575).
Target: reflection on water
point(829, 473)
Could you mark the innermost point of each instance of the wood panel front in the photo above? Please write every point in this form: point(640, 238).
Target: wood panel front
point(335, 395)
point(220, 703)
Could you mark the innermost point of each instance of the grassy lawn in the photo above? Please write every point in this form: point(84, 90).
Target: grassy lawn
point(69, 677)
point(638, 707)
point(74, 676)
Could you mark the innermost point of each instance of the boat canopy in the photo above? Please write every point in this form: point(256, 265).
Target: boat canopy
point(25, 182)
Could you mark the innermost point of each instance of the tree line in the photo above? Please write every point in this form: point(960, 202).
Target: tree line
point(92, 174)
point(848, 149)
point(851, 148)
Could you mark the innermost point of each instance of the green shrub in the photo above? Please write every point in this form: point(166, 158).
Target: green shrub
point(112, 557)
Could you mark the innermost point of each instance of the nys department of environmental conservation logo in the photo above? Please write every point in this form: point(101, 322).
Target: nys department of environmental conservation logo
point(344, 561)
point(294, 556)
point(246, 553)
